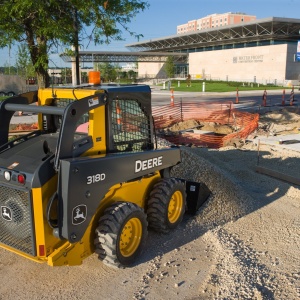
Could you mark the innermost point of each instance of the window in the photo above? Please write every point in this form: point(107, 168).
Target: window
point(58, 102)
point(130, 126)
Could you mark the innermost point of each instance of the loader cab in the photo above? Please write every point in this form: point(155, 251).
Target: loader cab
point(123, 124)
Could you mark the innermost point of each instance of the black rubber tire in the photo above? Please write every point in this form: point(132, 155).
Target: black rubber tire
point(11, 94)
point(163, 212)
point(110, 237)
point(2, 94)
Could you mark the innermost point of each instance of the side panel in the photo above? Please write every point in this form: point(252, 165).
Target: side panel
point(85, 181)
point(45, 240)
point(136, 192)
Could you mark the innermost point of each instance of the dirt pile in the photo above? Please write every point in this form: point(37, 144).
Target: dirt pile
point(212, 127)
point(285, 122)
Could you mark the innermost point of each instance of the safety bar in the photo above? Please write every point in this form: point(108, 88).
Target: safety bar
point(48, 110)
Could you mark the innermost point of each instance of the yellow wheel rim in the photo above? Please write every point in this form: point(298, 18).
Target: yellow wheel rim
point(131, 237)
point(175, 207)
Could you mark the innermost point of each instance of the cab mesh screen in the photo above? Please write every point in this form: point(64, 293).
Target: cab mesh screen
point(130, 126)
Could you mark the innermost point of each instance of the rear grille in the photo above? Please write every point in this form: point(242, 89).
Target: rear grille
point(16, 225)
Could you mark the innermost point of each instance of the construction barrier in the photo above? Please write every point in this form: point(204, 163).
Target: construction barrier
point(22, 129)
point(172, 97)
point(283, 98)
point(264, 98)
point(213, 113)
point(292, 97)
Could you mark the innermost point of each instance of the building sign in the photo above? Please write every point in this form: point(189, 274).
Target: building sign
point(298, 52)
point(248, 59)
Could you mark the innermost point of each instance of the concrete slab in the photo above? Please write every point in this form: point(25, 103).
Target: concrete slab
point(24, 119)
point(203, 131)
point(289, 141)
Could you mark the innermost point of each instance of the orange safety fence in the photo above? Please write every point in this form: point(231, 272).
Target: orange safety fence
point(217, 113)
point(26, 127)
point(165, 116)
point(21, 129)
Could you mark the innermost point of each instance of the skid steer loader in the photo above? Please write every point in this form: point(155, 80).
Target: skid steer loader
point(90, 179)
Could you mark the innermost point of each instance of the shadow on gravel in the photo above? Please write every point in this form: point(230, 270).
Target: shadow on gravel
point(237, 190)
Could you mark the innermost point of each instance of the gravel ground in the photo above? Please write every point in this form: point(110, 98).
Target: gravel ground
point(243, 243)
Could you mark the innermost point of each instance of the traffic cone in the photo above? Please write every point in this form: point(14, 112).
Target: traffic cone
point(265, 98)
point(172, 97)
point(292, 97)
point(283, 98)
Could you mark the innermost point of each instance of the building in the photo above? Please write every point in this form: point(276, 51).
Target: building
point(261, 51)
point(129, 67)
point(214, 20)
point(64, 75)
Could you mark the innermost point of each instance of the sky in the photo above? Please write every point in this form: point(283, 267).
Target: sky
point(163, 16)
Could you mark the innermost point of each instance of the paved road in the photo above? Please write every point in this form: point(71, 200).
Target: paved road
point(24, 119)
point(248, 100)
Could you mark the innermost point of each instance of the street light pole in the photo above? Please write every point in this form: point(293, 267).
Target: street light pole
point(76, 46)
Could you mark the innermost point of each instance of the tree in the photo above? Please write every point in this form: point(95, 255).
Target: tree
point(43, 25)
point(66, 75)
point(169, 66)
point(84, 77)
point(108, 71)
point(8, 70)
point(132, 75)
point(123, 74)
point(23, 62)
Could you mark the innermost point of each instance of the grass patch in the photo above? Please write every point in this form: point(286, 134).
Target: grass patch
point(219, 86)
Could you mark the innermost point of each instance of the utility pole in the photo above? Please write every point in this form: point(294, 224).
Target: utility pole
point(76, 47)
point(9, 59)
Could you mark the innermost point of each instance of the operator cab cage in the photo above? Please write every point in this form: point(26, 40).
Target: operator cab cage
point(122, 111)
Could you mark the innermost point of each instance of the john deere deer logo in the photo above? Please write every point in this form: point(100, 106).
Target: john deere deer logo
point(79, 214)
point(6, 213)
